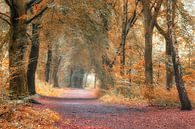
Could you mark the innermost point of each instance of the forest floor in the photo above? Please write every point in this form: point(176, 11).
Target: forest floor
point(80, 110)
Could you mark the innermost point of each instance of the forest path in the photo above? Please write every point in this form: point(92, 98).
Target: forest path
point(74, 93)
point(89, 113)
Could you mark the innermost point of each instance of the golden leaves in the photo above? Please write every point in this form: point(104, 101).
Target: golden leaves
point(47, 89)
point(24, 117)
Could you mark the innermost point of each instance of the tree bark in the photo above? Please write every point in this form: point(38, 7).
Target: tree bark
point(55, 76)
point(18, 50)
point(169, 66)
point(127, 23)
point(185, 102)
point(55, 62)
point(149, 23)
point(33, 59)
point(48, 65)
point(70, 82)
point(168, 63)
point(148, 42)
point(123, 59)
point(123, 36)
point(148, 56)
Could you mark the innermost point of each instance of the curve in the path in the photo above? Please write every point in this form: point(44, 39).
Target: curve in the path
point(92, 114)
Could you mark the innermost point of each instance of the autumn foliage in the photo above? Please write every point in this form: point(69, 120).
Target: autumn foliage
point(130, 52)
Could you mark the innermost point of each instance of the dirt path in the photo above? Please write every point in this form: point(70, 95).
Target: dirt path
point(91, 114)
point(74, 93)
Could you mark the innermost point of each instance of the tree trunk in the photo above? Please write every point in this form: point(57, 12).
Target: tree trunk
point(185, 102)
point(70, 82)
point(169, 66)
point(48, 65)
point(85, 80)
point(148, 42)
point(56, 68)
point(148, 56)
point(130, 72)
point(95, 80)
point(123, 36)
point(127, 23)
point(33, 60)
point(123, 61)
point(150, 17)
point(77, 77)
point(56, 59)
point(18, 51)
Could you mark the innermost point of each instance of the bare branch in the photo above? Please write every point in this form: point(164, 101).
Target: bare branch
point(156, 12)
point(37, 15)
point(4, 15)
point(5, 20)
point(160, 30)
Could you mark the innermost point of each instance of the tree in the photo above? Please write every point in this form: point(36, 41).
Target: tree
point(169, 67)
point(127, 24)
point(48, 64)
point(34, 52)
point(150, 17)
point(18, 45)
point(18, 48)
point(33, 58)
point(55, 67)
point(185, 102)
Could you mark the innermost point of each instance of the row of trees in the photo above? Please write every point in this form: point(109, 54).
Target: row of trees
point(150, 21)
point(153, 14)
point(23, 58)
point(24, 48)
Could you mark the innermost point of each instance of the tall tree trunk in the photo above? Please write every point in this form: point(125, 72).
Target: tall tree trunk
point(127, 23)
point(55, 72)
point(148, 55)
point(33, 59)
point(85, 80)
point(48, 64)
point(122, 60)
point(70, 82)
point(77, 77)
point(56, 59)
point(123, 36)
point(148, 42)
point(169, 66)
point(168, 63)
point(185, 102)
point(149, 22)
point(95, 80)
point(18, 50)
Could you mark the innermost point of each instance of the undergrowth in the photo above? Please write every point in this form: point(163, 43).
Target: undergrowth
point(137, 95)
point(46, 89)
point(24, 116)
